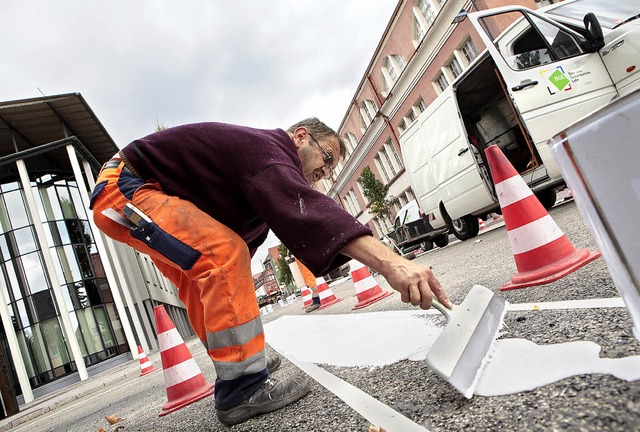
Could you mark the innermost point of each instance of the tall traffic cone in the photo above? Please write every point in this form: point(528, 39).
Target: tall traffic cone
point(307, 299)
point(327, 297)
point(146, 367)
point(367, 289)
point(542, 252)
point(183, 379)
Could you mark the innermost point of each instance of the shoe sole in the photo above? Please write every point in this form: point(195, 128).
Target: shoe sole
point(243, 413)
point(275, 365)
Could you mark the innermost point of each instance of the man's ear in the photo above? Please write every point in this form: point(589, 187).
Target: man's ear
point(299, 135)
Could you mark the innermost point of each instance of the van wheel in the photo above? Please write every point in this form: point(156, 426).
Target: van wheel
point(466, 227)
point(442, 240)
point(426, 245)
point(547, 198)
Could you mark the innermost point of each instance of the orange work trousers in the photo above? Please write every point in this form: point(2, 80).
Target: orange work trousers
point(208, 262)
point(308, 277)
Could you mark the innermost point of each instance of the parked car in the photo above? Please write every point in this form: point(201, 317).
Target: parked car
point(411, 230)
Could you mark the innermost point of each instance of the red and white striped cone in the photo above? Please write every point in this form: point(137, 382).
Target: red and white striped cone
point(183, 379)
point(481, 223)
point(146, 367)
point(542, 252)
point(327, 297)
point(367, 289)
point(307, 300)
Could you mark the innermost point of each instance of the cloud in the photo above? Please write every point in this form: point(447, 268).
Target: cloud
point(261, 64)
point(264, 64)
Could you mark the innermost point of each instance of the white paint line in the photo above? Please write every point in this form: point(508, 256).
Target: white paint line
point(612, 302)
point(374, 411)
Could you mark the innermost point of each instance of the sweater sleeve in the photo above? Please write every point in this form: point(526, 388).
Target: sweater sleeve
point(312, 226)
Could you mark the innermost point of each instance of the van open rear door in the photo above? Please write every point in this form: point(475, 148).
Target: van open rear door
point(551, 78)
point(441, 164)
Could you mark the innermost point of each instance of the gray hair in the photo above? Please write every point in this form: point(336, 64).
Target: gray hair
point(320, 130)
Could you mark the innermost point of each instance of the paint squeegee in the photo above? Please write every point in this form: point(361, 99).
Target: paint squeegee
point(465, 344)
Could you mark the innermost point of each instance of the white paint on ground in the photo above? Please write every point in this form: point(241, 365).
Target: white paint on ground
point(367, 406)
point(382, 338)
point(519, 365)
point(355, 340)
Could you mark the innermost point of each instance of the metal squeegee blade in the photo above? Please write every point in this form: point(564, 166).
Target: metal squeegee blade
point(478, 350)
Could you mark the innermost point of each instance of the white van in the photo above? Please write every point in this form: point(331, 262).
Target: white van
point(541, 72)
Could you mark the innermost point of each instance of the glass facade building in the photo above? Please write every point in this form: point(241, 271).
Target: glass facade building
point(72, 303)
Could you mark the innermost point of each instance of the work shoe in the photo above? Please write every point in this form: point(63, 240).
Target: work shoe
point(273, 363)
point(270, 396)
point(313, 307)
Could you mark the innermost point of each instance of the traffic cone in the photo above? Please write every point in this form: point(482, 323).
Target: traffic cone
point(146, 367)
point(327, 297)
point(367, 289)
point(481, 223)
point(183, 379)
point(542, 252)
point(307, 300)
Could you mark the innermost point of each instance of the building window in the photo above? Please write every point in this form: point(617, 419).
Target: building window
point(351, 141)
point(391, 69)
point(454, 67)
point(426, 9)
point(361, 189)
point(469, 50)
point(418, 29)
point(441, 82)
point(388, 161)
point(368, 111)
point(351, 202)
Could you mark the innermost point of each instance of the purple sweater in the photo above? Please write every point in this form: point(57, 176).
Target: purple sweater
point(250, 180)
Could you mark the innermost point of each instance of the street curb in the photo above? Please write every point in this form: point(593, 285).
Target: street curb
point(66, 395)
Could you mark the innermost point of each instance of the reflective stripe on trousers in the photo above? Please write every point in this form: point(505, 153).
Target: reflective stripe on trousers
point(214, 280)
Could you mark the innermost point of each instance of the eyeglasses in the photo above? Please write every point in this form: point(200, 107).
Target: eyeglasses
point(327, 157)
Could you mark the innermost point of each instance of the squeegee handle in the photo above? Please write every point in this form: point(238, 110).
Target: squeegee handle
point(441, 308)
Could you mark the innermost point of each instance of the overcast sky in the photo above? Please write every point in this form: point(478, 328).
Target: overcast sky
point(138, 63)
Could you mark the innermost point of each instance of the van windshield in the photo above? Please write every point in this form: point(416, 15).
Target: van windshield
point(610, 14)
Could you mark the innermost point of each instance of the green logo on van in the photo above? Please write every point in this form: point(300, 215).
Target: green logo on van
point(556, 79)
point(559, 80)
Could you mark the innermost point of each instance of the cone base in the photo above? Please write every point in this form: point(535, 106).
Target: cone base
point(364, 303)
point(330, 303)
point(148, 371)
point(551, 272)
point(194, 396)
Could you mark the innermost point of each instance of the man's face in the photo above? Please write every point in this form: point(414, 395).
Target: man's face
point(318, 156)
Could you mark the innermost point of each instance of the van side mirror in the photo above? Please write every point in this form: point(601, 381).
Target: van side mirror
point(595, 31)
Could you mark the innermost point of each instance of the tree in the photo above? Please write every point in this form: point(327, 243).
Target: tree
point(376, 193)
point(285, 277)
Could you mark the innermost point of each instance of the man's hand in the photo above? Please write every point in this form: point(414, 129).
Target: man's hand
point(415, 283)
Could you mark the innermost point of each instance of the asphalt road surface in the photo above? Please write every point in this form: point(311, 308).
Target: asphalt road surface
point(409, 389)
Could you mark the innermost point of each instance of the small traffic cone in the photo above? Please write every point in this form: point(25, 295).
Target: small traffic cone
point(542, 252)
point(481, 223)
point(183, 379)
point(367, 289)
point(327, 297)
point(146, 367)
point(307, 300)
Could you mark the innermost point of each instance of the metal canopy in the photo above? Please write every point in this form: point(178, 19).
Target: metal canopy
point(29, 123)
